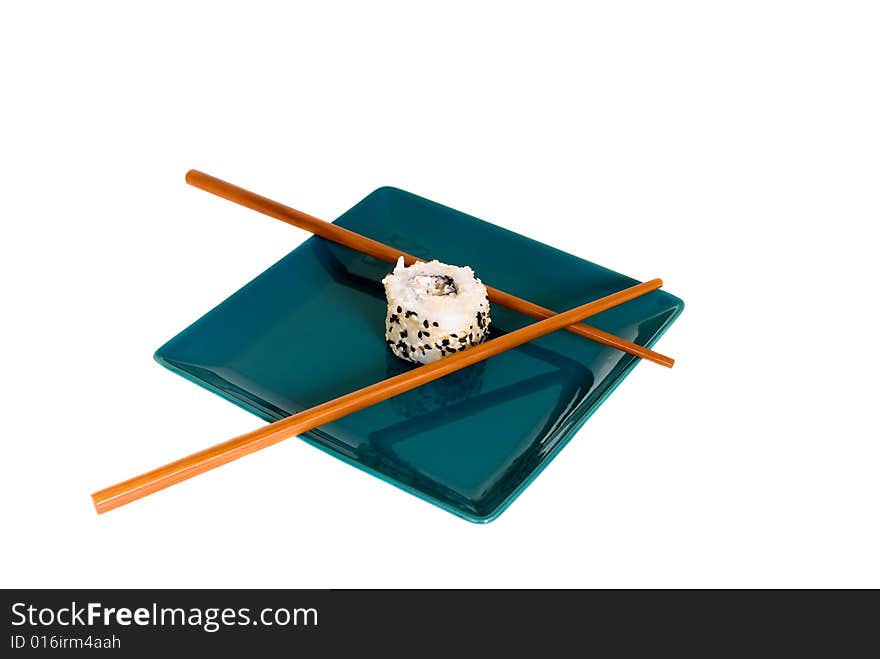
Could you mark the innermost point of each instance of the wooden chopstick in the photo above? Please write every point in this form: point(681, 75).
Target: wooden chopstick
point(387, 253)
point(197, 463)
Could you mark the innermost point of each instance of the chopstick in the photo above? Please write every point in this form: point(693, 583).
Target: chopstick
point(207, 459)
point(387, 253)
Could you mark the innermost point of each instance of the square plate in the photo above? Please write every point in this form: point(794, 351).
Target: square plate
point(310, 328)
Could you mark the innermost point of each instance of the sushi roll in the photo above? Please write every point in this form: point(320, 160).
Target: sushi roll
point(434, 310)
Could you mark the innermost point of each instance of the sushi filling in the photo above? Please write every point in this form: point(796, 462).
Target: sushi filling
point(433, 285)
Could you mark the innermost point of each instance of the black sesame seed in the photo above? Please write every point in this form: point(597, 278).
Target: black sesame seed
point(450, 348)
point(425, 334)
point(411, 313)
point(445, 342)
point(426, 324)
point(428, 346)
point(403, 334)
point(436, 324)
point(394, 318)
point(454, 336)
point(420, 333)
point(399, 309)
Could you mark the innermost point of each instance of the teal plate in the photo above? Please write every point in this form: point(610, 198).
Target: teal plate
point(310, 328)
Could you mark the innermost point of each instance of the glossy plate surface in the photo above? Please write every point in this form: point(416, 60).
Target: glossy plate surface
point(310, 328)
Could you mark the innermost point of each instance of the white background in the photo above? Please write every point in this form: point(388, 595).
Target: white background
point(731, 148)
